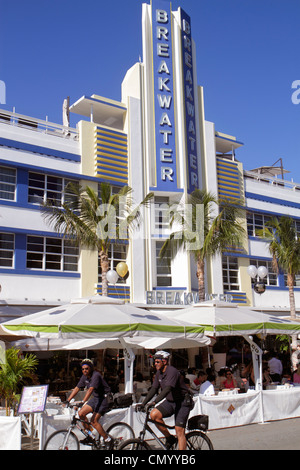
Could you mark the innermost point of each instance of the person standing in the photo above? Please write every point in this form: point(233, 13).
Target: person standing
point(95, 400)
point(276, 368)
point(174, 399)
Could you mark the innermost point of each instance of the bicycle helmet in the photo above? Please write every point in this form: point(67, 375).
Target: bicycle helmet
point(162, 355)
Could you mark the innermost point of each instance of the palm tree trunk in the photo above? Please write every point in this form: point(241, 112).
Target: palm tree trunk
point(290, 283)
point(104, 263)
point(200, 276)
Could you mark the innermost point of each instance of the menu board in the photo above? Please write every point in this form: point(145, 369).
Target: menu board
point(33, 399)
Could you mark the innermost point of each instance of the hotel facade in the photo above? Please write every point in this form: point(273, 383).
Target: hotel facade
point(156, 139)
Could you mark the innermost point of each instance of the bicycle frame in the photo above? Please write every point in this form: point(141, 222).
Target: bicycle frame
point(75, 423)
point(146, 428)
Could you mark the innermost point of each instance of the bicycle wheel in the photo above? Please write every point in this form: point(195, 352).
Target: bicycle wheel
point(120, 432)
point(134, 444)
point(56, 441)
point(198, 440)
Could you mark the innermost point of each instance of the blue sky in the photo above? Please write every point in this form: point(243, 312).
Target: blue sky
point(247, 60)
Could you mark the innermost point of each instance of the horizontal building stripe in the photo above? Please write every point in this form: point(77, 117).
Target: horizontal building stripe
point(110, 161)
point(106, 145)
point(229, 184)
point(114, 172)
point(231, 174)
point(111, 139)
point(38, 149)
point(220, 161)
point(111, 178)
point(227, 167)
point(272, 200)
point(229, 193)
point(108, 149)
point(100, 131)
point(112, 143)
point(117, 157)
point(226, 176)
point(114, 169)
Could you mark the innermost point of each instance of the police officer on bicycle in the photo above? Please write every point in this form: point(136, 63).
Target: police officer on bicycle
point(95, 399)
point(176, 398)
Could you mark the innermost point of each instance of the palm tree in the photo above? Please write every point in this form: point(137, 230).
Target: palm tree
point(203, 231)
point(13, 371)
point(94, 220)
point(284, 246)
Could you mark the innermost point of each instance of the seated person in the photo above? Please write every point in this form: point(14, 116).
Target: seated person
point(266, 377)
point(220, 379)
point(196, 384)
point(207, 388)
point(230, 382)
point(296, 375)
point(191, 374)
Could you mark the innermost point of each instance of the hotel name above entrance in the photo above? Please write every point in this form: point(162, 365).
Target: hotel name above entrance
point(179, 297)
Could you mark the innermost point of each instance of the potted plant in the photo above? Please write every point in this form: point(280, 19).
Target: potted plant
point(14, 370)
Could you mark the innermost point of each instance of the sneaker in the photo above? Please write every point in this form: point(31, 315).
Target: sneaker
point(109, 445)
point(88, 441)
point(170, 441)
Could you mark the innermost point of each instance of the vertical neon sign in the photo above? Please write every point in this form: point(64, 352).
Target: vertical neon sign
point(189, 99)
point(165, 146)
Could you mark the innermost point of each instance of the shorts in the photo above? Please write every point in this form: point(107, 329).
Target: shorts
point(99, 405)
point(181, 412)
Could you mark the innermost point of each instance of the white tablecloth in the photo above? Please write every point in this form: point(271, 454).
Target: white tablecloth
point(281, 404)
point(231, 410)
point(10, 433)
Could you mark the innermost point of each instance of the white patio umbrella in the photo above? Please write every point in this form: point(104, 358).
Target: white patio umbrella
point(102, 318)
point(99, 317)
point(227, 319)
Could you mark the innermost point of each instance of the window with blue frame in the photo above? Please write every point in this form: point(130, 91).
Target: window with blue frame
point(53, 254)
point(43, 187)
point(7, 247)
point(8, 183)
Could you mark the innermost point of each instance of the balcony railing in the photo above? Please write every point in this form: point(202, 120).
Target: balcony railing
point(37, 125)
point(278, 182)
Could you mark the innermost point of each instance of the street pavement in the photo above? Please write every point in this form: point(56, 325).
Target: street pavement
point(275, 435)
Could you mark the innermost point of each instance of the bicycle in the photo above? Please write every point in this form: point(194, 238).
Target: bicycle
point(196, 438)
point(66, 439)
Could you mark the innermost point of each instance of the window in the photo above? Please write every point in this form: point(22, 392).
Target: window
point(162, 215)
point(163, 267)
point(51, 254)
point(296, 282)
point(8, 178)
point(117, 252)
point(256, 222)
point(271, 278)
point(230, 273)
point(7, 246)
point(42, 188)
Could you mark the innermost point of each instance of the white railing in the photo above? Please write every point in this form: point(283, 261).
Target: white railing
point(37, 125)
point(280, 183)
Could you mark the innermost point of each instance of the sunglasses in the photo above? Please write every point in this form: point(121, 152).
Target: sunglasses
point(157, 362)
point(85, 368)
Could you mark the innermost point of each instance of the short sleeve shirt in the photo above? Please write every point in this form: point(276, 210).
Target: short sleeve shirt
point(97, 382)
point(171, 377)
